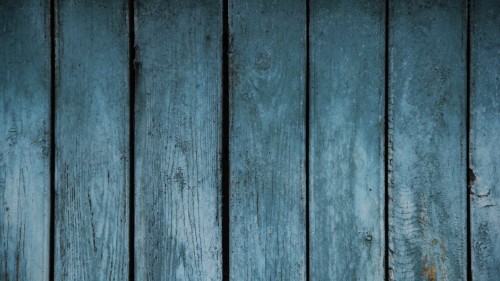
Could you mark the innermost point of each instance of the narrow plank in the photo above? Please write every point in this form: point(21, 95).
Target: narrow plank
point(92, 141)
point(25, 138)
point(178, 140)
point(347, 190)
point(485, 139)
point(428, 140)
point(267, 66)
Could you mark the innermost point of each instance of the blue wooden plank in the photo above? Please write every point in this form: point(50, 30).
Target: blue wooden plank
point(267, 66)
point(25, 140)
point(485, 139)
point(92, 140)
point(178, 140)
point(347, 190)
point(428, 140)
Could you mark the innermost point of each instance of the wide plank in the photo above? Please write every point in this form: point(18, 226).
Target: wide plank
point(485, 139)
point(25, 139)
point(267, 68)
point(92, 140)
point(178, 140)
point(347, 97)
point(427, 165)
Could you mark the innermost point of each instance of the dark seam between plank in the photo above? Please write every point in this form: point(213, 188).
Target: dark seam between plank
point(132, 77)
point(468, 169)
point(386, 145)
point(307, 137)
point(225, 168)
point(52, 141)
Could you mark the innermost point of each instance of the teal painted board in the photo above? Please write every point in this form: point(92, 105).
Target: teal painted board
point(427, 149)
point(178, 140)
point(484, 146)
point(25, 140)
point(92, 140)
point(347, 97)
point(267, 68)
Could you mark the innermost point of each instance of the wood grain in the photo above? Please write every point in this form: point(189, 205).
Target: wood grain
point(485, 139)
point(347, 190)
point(92, 140)
point(428, 140)
point(178, 140)
point(267, 67)
point(25, 140)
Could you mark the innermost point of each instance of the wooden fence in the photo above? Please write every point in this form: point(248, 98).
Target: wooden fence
point(249, 140)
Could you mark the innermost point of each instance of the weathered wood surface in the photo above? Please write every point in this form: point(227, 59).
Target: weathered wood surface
point(428, 140)
point(178, 140)
point(24, 137)
point(267, 67)
point(92, 141)
point(485, 139)
point(347, 190)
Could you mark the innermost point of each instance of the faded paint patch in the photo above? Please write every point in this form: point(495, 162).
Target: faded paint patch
point(434, 265)
point(429, 269)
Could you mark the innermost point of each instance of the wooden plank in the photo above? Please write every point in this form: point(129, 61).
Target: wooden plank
point(485, 139)
point(178, 140)
point(92, 141)
point(428, 140)
point(267, 66)
point(25, 140)
point(347, 190)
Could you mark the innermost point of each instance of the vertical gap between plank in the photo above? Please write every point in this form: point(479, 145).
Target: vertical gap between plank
point(132, 76)
point(307, 136)
point(469, 170)
point(386, 145)
point(52, 141)
point(225, 169)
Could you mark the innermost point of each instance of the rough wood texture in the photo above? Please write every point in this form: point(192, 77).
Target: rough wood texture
point(24, 140)
point(92, 141)
point(428, 140)
point(346, 169)
point(267, 139)
point(485, 139)
point(178, 140)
